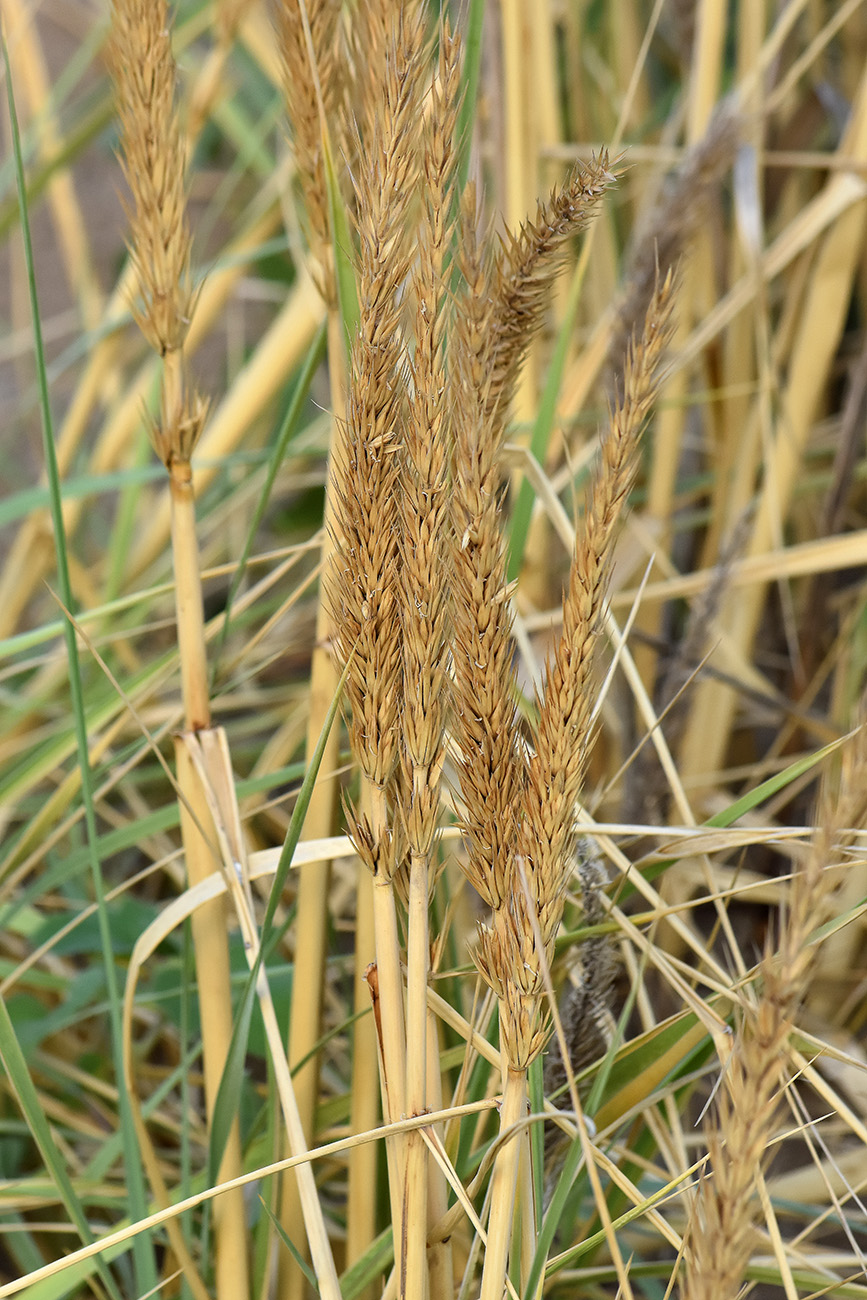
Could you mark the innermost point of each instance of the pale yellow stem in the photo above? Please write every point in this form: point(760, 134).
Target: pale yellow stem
point(209, 753)
point(504, 1182)
point(440, 1263)
point(391, 1025)
point(209, 924)
point(188, 597)
point(418, 961)
point(209, 930)
point(526, 1209)
point(365, 1099)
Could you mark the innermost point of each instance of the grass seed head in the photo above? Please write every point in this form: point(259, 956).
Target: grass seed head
point(154, 163)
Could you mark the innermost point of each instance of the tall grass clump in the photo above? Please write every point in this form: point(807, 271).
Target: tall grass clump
point(432, 656)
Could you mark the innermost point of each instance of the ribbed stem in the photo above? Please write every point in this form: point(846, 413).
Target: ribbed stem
point(504, 1181)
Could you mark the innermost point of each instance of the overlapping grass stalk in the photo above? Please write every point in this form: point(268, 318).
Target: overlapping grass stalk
point(365, 598)
point(313, 74)
point(154, 165)
point(537, 859)
point(418, 522)
point(155, 169)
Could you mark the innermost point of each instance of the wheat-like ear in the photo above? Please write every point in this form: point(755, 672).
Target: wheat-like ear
point(525, 268)
point(368, 462)
point(562, 741)
point(485, 715)
point(722, 1229)
point(498, 310)
point(154, 164)
point(364, 589)
point(424, 517)
point(526, 888)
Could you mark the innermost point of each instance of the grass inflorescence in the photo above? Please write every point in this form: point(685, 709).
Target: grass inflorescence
point(451, 776)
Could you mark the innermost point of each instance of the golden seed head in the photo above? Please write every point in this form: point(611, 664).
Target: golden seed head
point(154, 163)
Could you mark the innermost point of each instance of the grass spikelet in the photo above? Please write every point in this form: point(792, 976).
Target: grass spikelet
point(722, 1233)
point(515, 949)
point(364, 596)
point(556, 770)
point(525, 269)
point(387, 347)
point(154, 164)
point(424, 500)
point(490, 773)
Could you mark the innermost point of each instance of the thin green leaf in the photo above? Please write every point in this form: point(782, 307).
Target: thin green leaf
point(753, 798)
point(469, 89)
point(18, 1075)
point(341, 236)
point(747, 802)
point(598, 1238)
point(377, 1259)
point(291, 1247)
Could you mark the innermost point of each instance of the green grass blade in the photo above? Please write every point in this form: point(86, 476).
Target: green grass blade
point(375, 1261)
point(746, 803)
point(18, 1075)
point(341, 236)
point(469, 89)
point(553, 1214)
point(753, 798)
point(291, 1247)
